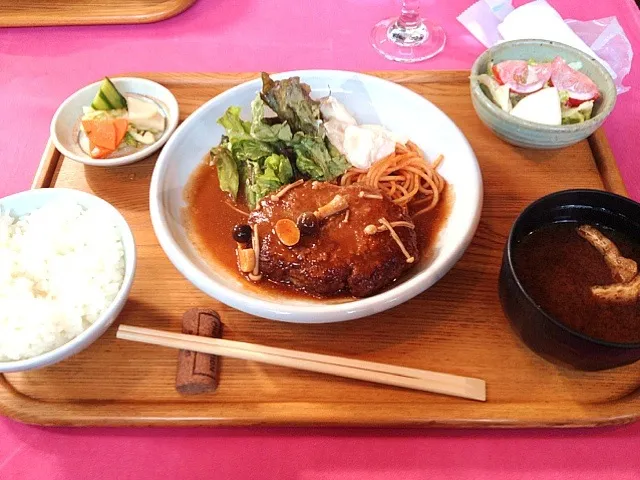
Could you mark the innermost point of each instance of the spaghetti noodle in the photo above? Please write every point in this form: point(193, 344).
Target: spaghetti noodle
point(406, 176)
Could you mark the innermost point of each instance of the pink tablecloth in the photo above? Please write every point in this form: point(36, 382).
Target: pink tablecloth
point(39, 67)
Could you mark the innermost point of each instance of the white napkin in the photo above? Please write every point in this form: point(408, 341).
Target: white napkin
point(481, 20)
point(540, 20)
point(494, 21)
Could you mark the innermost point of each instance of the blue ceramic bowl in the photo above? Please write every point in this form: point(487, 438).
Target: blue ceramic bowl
point(524, 133)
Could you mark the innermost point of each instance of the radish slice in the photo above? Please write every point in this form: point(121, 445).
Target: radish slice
point(541, 70)
point(580, 87)
point(573, 102)
point(521, 77)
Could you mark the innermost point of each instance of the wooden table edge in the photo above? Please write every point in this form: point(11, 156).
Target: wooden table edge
point(173, 8)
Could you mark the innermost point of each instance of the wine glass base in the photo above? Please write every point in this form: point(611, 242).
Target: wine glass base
point(407, 45)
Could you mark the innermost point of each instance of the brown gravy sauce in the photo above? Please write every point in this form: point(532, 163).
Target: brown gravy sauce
point(209, 219)
point(557, 267)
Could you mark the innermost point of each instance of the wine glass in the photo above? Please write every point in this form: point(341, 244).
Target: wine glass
point(408, 38)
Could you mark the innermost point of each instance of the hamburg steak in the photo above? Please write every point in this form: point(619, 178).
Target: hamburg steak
point(339, 258)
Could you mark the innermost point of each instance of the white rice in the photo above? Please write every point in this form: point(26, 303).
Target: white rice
point(61, 266)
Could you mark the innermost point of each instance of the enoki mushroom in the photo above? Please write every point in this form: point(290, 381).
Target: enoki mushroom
point(372, 229)
point(410, 258)
point(286, 188)
point(255, 275)
point(237, 209)
point(374, 196)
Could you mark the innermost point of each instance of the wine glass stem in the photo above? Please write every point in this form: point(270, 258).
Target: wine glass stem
point(410, 16)
point(409, 37)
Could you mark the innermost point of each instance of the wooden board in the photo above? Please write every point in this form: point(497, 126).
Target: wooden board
point(33, 13)
point(457, 326)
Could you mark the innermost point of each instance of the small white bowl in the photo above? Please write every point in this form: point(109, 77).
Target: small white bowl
point(370, 100)
point(64, 123)
point(21, 204)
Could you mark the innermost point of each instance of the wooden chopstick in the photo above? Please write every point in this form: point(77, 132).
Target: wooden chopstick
point(317, 357)
point(465, 387)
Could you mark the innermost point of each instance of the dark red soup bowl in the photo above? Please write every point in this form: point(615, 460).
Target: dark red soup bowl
point(540, 331)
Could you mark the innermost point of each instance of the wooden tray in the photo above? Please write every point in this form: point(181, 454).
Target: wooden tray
point(457, 326)
point(34, 13)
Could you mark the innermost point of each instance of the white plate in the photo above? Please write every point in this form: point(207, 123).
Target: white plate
point(64, 125)
point(370, 100)
point(25, 202)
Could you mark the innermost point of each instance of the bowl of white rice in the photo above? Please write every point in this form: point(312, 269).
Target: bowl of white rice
point(67, 262)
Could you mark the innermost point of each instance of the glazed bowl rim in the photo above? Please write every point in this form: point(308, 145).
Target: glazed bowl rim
point(606, 107)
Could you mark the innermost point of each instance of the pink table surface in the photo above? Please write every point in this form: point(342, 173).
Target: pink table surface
point(39, 67)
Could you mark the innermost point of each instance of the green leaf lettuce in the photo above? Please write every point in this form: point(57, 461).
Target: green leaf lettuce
point(262, 131)
point(276, 172)
point(314, 160)
point(292, 102)
point(233, 124)
point(250, 149)
point(227, 169)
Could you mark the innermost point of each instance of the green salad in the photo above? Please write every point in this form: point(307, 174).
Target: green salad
point(552, 93)
point(257, 157)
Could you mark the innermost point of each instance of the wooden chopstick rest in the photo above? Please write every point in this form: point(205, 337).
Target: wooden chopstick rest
point(199, 372)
